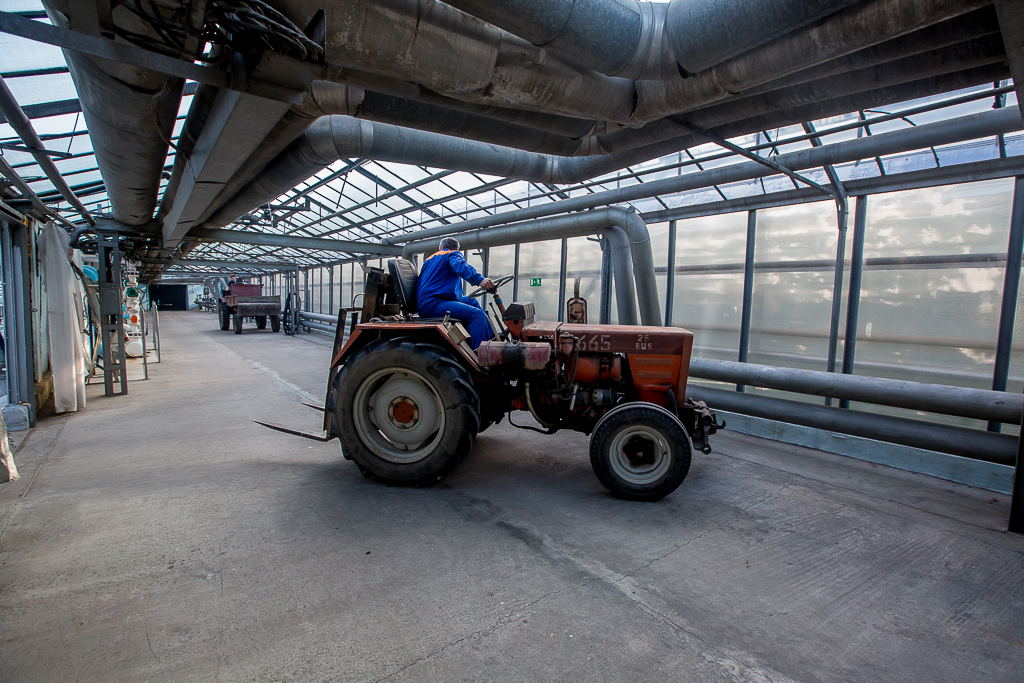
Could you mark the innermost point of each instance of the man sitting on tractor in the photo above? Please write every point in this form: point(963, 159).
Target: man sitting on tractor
point(439, 290)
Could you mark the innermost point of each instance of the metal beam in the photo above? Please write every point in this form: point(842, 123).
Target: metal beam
point(757, 158)
point(217, 263)
point(293, 242)
point(912, 180)
point(670, 287)
point(1011, 283)
point(1011, 24)
point(748, 290)
point(853, 304)
point(23, 127)
point(138, 57)
point(30, 150)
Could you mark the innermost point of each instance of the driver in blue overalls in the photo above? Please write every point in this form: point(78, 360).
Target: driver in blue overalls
point(439, 290)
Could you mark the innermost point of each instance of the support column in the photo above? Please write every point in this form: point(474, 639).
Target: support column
point(1016, 524)
point(330, 292)
point(853, 301)
point(837, 291)
point(111, 313)
point(515, 282)
point(748, 290)
point(1011, 283)
point(18, 333)
point(605, 314)
point(485, 258)
point(670, 287)
point(561, 279)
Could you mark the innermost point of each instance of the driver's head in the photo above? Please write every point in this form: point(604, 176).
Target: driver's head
point(449, 244)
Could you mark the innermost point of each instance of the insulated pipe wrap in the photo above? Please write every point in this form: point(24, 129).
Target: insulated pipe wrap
point(704, 33)
point(129, 137)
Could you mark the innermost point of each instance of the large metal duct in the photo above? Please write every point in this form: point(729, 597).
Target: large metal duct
point(340, 137)
point(130, 113)
point(457, 55)
point(628, 238)
point(971, 127)
point(325, 98)
point(461, 57)
point(861, 25)
point(977, 24)
point(647, 40)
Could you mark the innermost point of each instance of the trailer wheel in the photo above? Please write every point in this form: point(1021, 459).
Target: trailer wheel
point(640, 451)
point(261, 322)
point(275, 323)
point(223, 317)
point(405, 411)
point(237, 320)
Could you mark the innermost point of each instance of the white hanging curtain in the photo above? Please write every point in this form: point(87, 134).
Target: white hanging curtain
point(65, 319)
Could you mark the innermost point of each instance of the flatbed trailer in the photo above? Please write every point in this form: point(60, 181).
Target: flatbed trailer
point(246, 301)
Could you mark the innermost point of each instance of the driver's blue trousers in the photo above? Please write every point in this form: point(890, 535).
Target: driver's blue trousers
point(465, 310)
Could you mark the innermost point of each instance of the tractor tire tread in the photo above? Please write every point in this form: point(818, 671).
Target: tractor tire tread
point(448, 371)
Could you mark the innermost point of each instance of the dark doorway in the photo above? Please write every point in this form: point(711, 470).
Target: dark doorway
point(169, 297)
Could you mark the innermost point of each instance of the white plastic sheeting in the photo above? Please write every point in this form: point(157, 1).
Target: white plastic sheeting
point(65, 315)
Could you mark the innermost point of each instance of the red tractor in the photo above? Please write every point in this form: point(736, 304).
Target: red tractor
point(407, 396)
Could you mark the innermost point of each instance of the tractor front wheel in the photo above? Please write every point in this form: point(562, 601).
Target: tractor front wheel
point(640, 451)
point(405, 411)
point(224, 318)
point(261, 322)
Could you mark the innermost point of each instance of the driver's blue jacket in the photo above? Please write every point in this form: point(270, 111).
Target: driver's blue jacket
point(439, 293)
point(440, 279)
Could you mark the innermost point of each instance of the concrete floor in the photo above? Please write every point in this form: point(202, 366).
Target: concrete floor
point(164, 537)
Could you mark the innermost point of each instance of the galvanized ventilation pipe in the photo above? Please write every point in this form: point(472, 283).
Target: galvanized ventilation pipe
point(978, 404)
point(971, 127)
point(130, 137)
point(855, 28)
point(483, 65)
point(130, 114)
point(646, 40)
point(341, 137)
point(451, 53)
point(977, 24)
point(631, 257)
point(968, 443)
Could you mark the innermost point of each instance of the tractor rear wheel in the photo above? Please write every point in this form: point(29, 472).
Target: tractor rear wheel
point(405, 411)
point(261, 322)
point(275, 323)
point(640, 451)
point(237, 320)
point(223, 317)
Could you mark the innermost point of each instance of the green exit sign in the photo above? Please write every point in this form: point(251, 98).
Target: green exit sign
point(535, 282)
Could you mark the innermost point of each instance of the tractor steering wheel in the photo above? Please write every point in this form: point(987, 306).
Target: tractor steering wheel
point(498, 282)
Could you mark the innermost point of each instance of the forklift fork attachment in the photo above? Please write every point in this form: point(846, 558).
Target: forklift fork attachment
point(320, 436)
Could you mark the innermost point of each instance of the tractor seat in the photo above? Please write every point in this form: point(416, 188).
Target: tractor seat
point(404, 276)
